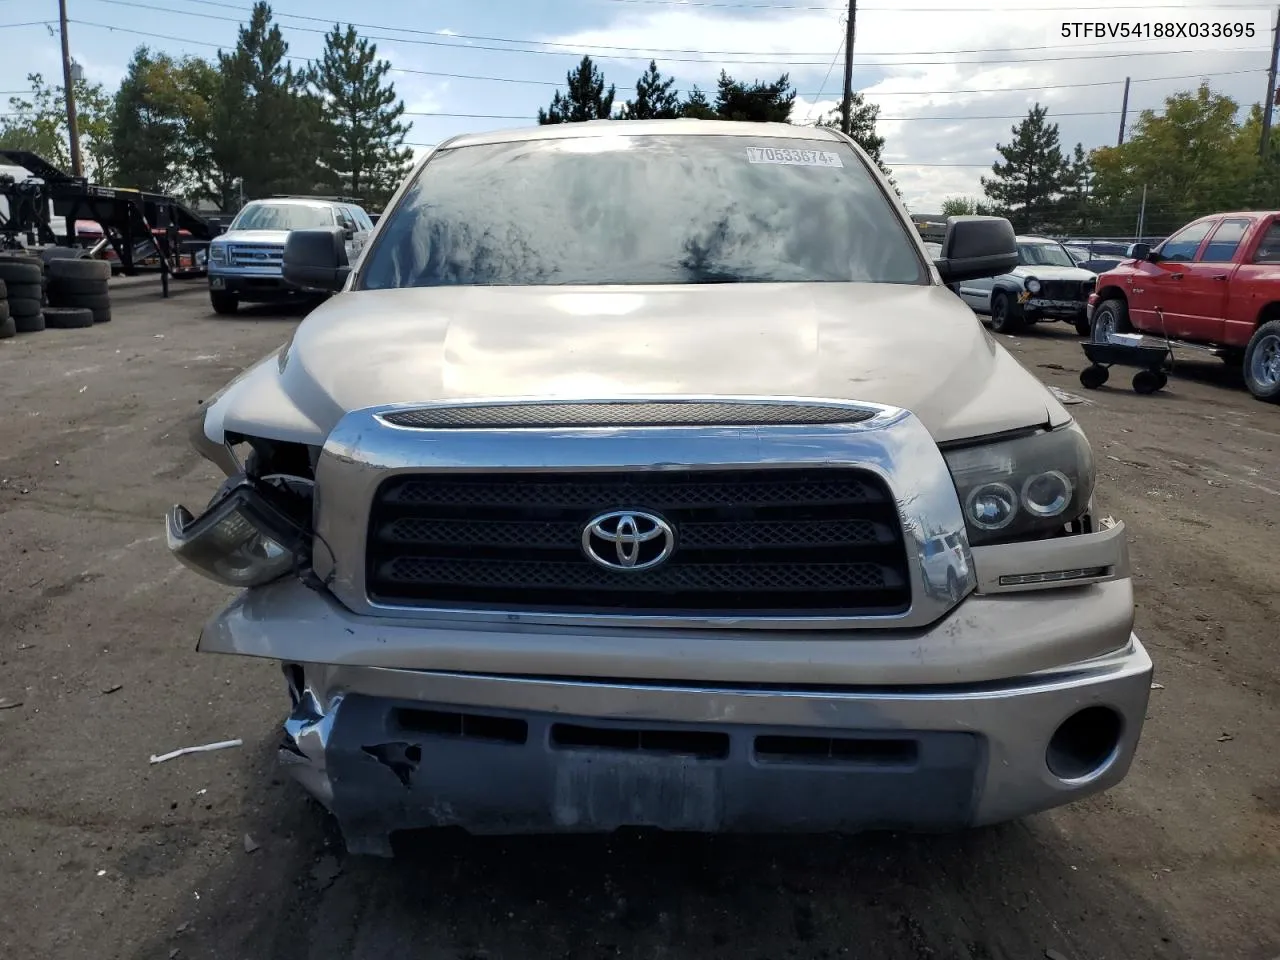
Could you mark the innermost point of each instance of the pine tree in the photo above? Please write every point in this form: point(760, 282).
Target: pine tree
point(586, 98)
point(1074, 214)
point(862, 123)
point(655, 100)
point(758, 102)
point(363, 137)
point(265, 125)
point(697, 106)
point(1026, 186)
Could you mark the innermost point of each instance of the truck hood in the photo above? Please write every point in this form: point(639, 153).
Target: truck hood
point(916, 347)
point(1078, 274)
point(256, 236)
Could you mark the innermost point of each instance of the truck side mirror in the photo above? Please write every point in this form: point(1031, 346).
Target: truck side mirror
point(976, 247)
point(316, 259)
point(1138, 251)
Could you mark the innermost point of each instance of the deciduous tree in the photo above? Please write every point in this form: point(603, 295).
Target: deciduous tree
point(1192, 157)
point(38, 123)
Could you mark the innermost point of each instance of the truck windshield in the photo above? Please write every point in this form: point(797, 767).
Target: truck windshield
point(1044, 255)
point(282, 216)
point(644, 209)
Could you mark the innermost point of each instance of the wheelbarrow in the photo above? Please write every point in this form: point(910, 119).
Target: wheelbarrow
point(1153, 364)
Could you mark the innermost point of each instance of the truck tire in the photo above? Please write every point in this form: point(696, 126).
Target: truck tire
point(4, 291)
point(93, 301)
point(78, 287)
point(19, 270)
point(29, 324)
point(67, 318)
point(1110, 316)
point(1083, 327)
point(1262, 363)
point(8, 328)
point(1004, 317)
point(60, 253)
point(23, 306)
point(80, 269)
point(24, 291)
point(224, 303)
point(4, 310)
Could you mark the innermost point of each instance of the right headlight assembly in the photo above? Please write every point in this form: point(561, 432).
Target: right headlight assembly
point(1024, 488)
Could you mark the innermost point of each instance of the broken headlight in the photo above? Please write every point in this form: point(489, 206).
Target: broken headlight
point(249, 535)
point(1024, 488)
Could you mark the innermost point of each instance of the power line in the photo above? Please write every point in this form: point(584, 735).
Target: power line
point(893, 9)
point(27, 23)
point(574, 47)
point(524, 116)
point(814, 96)
point(650, 53)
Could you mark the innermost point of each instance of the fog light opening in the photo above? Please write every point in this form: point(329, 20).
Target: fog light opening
point(1085, 744)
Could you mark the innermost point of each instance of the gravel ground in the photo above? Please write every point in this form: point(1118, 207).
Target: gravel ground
point(217, 856)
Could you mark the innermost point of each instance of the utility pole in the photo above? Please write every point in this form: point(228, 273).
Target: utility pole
point(68, 87)
point(1269, 104)
point(1142, 214)
point(1124, 112)
point(846, 105)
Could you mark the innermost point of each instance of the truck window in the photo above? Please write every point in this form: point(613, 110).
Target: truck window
point(1269, 247)
point(1184, 244)
point(1222, 246)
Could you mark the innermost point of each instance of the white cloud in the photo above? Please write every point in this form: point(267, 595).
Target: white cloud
point(928, 65)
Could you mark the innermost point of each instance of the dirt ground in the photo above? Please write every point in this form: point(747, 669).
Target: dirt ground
point(218, 856)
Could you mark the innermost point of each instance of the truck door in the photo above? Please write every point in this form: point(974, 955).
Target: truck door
point(1163, 282)
point(1255, 283)
point(1208, 280)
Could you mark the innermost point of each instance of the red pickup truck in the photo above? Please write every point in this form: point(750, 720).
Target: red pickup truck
point(1214, 282)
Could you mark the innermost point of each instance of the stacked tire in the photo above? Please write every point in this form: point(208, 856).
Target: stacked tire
point(78, 293)
point(22, 278)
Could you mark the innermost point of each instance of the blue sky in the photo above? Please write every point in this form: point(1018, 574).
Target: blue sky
point(951, 76)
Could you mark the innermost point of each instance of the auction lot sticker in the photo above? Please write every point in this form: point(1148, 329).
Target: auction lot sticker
point(793, 157)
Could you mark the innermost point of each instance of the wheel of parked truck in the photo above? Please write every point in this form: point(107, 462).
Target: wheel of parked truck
point(1262, 363)
point(1094, 376)
point(224, 303)
point(1148, 381)
point(1003, 319)
point(1109, 317)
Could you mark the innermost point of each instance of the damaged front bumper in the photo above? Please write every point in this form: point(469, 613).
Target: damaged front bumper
point(388, 743)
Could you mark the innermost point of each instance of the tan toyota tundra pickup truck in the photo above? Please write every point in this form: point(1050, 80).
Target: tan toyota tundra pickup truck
point(646, 473)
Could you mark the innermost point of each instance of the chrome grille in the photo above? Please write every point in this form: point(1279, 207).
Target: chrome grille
point(802, 542)
point(255, 255)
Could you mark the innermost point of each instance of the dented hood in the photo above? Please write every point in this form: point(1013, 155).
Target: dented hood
point(916, 347)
